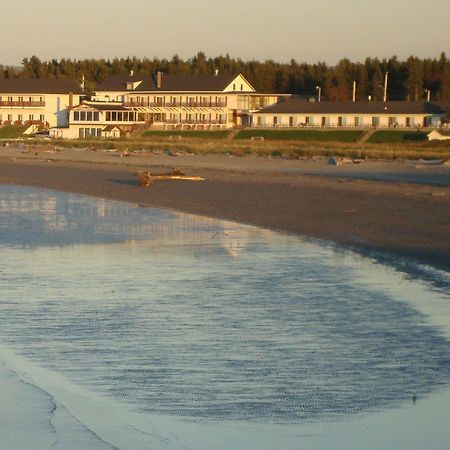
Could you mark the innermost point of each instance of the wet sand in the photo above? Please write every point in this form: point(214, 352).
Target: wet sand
point(401, 209)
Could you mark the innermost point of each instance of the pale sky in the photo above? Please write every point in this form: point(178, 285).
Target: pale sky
point(308, 31)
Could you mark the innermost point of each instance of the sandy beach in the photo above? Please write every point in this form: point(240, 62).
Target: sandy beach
point(398, 209)
point(401, 209)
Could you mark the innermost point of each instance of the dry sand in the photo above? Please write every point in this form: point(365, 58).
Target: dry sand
point(400, 208)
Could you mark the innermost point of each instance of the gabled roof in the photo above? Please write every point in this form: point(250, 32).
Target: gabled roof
point(39, 86)
point(298, 105)
point(169, 83)
point(102, 106)
point(111, 128)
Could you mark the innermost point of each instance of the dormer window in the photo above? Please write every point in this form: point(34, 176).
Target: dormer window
point(131, 85)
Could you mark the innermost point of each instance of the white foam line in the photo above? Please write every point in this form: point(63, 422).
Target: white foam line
point(101, 416)
point(121, 428)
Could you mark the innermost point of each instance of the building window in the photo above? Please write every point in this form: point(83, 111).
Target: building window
point(83, 116)
point(340, 121)
point(76, 115)
point(234, 87)
point(358, 121)
point(31, 117)
point(89, 116)
point(409, 122)
point(375, 121)
point(10, 117)
point(392, 121)
point(275, 121)
point(42, 118)
point(20, 117)
point(309, 120)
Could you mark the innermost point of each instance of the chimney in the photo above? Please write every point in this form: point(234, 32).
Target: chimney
point(159, 75)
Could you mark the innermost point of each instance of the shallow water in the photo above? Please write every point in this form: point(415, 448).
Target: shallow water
point(181, 316)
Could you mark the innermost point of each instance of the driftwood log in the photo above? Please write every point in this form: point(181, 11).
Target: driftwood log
point(145, 178)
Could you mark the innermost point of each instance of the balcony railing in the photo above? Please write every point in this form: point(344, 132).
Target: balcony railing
point(22, 104)
point(194, 122)
point(177, 104)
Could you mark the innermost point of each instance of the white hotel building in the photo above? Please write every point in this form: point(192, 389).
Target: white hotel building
point(121, 104)
point(43, 102)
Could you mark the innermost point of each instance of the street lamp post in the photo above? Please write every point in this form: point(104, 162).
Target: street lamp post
point(428, 92)
point(319, 92)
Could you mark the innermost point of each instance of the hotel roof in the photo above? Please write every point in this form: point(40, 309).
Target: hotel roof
point(169, 83)
point(296, 105)
point(39, 86)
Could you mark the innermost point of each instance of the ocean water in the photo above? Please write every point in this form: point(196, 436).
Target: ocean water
point(191, 325)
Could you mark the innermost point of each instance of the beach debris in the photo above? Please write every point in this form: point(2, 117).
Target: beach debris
point(431, 162)
point(145, 178)
point(334, 160)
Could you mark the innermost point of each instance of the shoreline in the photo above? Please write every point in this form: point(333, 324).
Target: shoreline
point(369, 207)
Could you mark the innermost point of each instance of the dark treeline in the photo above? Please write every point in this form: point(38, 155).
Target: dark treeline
point(408, 80)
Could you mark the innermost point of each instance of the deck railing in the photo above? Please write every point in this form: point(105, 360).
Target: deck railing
point(22, 104)
point(176, 104)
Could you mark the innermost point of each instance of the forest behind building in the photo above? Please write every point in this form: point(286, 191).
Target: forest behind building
point(412, 79)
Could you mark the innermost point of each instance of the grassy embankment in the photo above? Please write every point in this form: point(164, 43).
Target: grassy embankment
point(391, 136)
point(208, 134)
point(12, 131)
point(388, 144)
point(302, 135)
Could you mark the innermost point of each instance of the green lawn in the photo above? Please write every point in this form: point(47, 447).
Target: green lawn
point(12, 131)
point(210, 134)
point(302, 135)
point(388, 136)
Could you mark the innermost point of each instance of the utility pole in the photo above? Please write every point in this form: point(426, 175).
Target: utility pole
point(354, 91)
point(319, 92)
point(428, 92)
point(385, 86)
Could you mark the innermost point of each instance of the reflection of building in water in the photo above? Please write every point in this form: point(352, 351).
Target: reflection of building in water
point(232, 240)
point(75, 219)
